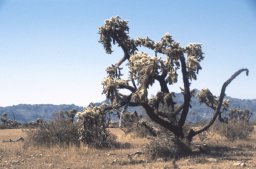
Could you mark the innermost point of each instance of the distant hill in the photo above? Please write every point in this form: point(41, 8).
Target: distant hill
point(27, 112)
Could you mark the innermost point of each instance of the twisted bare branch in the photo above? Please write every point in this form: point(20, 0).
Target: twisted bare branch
point(192, 133)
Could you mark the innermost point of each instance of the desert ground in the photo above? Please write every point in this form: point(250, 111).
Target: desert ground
point(218, 153)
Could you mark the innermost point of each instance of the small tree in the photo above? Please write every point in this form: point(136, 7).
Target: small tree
point(146, 70)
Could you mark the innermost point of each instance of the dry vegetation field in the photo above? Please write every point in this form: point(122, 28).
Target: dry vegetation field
point(218, 153)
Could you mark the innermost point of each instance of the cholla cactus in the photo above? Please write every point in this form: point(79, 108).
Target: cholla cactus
point(141, 95)
point(109, 83)
point(146, 70)
point(114, 71)
point(110, 86)
point(205, 96)
point(172, 76)
point(115, 30)
point(240, 114)
point(93, 129)
point(150, 67)
point(195, 56)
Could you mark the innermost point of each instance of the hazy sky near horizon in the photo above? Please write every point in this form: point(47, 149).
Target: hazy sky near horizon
point(50, 53)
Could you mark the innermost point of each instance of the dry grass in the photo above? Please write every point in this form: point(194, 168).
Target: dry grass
point(218, 153)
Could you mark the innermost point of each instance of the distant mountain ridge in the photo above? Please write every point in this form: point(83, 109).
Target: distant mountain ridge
point(28, 112)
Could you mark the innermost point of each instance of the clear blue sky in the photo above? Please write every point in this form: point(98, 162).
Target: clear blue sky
point(50, 53)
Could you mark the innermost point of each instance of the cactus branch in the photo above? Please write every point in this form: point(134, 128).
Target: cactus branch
point(192, 133)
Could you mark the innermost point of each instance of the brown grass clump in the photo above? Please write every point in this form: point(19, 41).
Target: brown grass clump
point(59, 132)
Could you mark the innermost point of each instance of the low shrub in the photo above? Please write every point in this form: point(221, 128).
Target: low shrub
point(238, 126)
point(63, 133)
point(236, 129)
point(166, 146)
point(59, 132)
